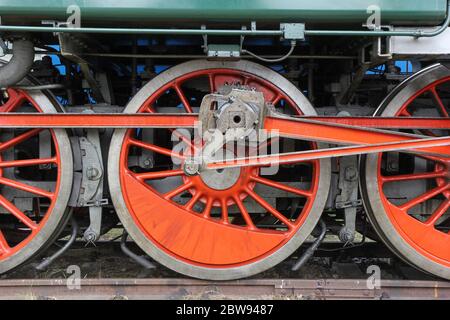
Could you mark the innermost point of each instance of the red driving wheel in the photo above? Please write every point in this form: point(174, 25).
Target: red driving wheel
point(27, 226)
point(205, 226)
point(417, 228)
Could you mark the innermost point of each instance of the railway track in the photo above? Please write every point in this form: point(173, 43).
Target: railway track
point(260, 152)
point(187, 289)
point(106, 274)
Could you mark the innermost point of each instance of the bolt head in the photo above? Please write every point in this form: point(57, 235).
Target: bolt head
point(191, 167)
point(351, 173)
point(90, 236)
point(92, 173)
point(392, 166)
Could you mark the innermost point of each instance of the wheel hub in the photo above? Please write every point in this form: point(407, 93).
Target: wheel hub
point(235, 112)
point(221, 179)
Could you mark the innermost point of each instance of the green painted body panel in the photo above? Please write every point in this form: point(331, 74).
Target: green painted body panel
point(146, 11)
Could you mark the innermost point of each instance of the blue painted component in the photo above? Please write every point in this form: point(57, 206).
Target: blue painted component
point(57, 61)
point(405, 68)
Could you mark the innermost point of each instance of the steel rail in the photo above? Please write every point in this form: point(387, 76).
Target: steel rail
point(160, 120)
point(182, 289)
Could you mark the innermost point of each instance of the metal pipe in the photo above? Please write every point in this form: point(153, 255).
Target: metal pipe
point(40, 87)
point(224, 32)
point(195, 56)
point(275, 60)
point(48, 261)
point(310, 251)
point(138, 259)
point(191, 32)
point(20, 64)
point(198, 56)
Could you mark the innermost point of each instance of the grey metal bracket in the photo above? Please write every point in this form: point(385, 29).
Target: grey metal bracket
point(4, 48)
point(97, 203)
point(54, 23)
point(348, 198)
point(93, 176)
point(72, 47)
point(205, 39)
point(92, 168)
point(349, 204)
point(89, 180)
point(224, 51)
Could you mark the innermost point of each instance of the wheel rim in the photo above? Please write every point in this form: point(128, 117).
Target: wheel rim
point(33, 229)
point(201, 232)
point(420, 226)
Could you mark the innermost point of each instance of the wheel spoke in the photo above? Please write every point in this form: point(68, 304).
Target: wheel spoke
point(281, 186)
point(244, 213)
point(224, 206)
point(438, 100)
point(438, 213)
point(192, 147)
point(270, 209)
point(245, 80)
point(17, 213)
point(422, 198)
point(277, 99)
point(212, 85)
point(157, 149)
point(158, 174)
point(4, 246)
point(434, 158)
point(183, 98)
point(27, 163)
point(149, 109)
point(16, 98)
point(207, 211)
point(193, 201)
point(20, 138)
point(26, 188)
point(415, 176)
point(177, 191)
